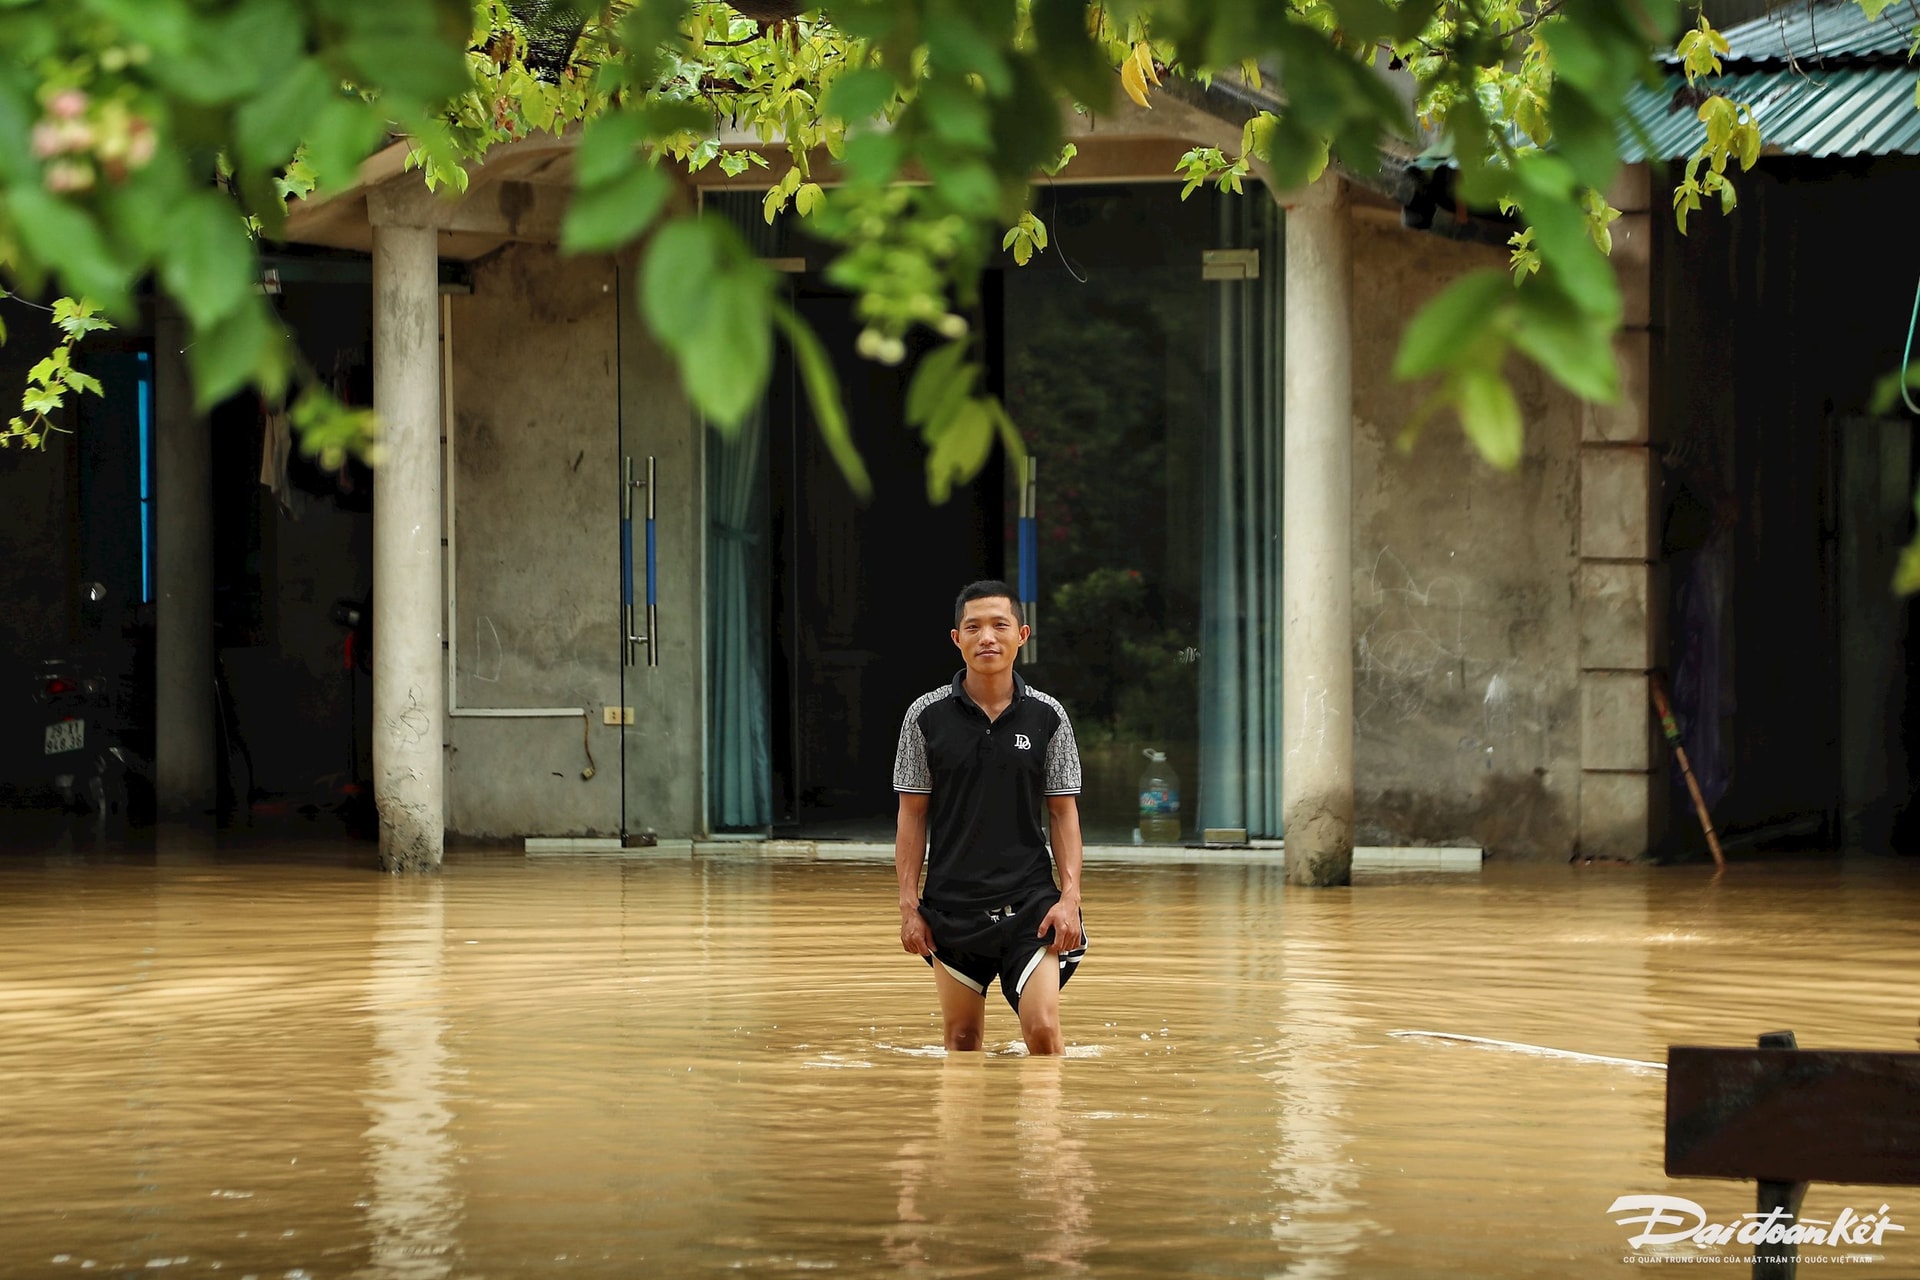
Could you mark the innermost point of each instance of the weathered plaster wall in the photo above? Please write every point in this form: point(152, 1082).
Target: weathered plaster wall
point(535, 522)
point(1466, 636)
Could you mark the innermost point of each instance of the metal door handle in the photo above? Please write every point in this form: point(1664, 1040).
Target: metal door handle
point(651, 637)
point(1029, 571)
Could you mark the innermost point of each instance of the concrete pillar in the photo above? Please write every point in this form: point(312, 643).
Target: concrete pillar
point(409, 693)
point(1316, 787)
point(185, 780)
point(1619, 588)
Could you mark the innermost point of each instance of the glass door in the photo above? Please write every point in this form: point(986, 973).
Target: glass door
point(1146, 536)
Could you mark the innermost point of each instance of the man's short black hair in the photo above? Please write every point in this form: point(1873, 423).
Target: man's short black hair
point(986, 589)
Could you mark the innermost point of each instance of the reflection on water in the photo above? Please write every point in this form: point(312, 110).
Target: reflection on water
point(414, 1211)
point(222, 1065)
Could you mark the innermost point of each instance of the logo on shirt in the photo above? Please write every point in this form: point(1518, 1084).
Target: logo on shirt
point(1020, 741)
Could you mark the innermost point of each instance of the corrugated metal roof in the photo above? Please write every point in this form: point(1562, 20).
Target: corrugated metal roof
point(1825, 31)
point(1839, 111)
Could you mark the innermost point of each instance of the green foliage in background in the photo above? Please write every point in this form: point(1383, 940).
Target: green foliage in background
point(54, 378)
point(155, 139)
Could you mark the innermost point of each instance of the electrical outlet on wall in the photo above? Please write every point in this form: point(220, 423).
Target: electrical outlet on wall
point(616, 715)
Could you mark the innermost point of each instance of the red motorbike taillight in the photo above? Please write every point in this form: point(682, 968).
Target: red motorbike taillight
point(58, 686)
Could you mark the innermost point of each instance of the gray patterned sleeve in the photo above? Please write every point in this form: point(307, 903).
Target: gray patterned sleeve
point(910, 770)
point(1063, 758)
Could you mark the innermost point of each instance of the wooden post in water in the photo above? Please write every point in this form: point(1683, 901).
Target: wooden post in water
point(1773, 1195)
point(1671, 728)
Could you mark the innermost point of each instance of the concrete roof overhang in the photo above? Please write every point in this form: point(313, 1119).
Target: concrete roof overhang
point(518, 192)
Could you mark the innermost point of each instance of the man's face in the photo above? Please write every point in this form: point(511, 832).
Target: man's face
point(988, 636)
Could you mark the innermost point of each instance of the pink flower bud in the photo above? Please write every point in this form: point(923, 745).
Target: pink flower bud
point(46, 140)
point(141, 145)
point(75, 135)
point(67, 176)
point(68, 104)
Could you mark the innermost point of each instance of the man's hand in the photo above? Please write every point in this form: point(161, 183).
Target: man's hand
point(909, 852)
point(915, 938)
point(1064, 920)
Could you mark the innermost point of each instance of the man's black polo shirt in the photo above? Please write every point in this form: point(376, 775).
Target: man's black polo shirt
point(986, 845)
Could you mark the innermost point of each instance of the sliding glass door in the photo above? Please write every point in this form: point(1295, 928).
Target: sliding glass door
point(1141, 364)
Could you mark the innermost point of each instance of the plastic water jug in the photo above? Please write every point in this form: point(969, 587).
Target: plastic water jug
point(1159, 800)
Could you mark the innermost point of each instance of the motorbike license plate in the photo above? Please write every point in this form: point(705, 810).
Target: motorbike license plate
point(66, 735)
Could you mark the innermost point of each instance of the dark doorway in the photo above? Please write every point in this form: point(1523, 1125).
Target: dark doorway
point(863, 592)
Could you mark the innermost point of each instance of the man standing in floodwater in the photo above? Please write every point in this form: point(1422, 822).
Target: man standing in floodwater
point(978, 758)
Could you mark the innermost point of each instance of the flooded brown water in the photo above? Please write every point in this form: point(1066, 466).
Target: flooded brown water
point(232, 1065)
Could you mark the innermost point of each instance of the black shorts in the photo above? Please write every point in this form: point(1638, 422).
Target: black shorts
point(976, 945)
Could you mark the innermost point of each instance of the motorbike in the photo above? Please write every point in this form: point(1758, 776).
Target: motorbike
point(88, 759)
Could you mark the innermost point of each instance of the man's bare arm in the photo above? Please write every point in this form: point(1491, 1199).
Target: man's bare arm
point(1063, 826)
point(909, 855)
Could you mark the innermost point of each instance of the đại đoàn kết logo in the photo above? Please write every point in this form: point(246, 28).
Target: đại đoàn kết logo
point(1673, 1220)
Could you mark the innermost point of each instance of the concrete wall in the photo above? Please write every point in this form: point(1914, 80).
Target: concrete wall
point(534, 522)
point(1466, 637)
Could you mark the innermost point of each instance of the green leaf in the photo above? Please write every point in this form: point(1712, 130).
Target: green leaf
point(1447, 327)
point(1296, 157)
point(1369, 21)
point(823, 395)
point(1906, 573)
point(954, 114)
point(343, 134)
point(1075, 61)
point(711, 304)
point(1009, 433)
point(1577, 352)
point(860, 95)
point(726, 374)
point(258, 42)
point(75, 317)
point(1027, 131)
point(208, 265)
point(1490, 415)
point(874, 158)
point(936, 373)
point(420, 68)
point(1577, 56)
point(960, 450)
point(955, 44)
point(1584, 136)
point(270, 126)
point(243, 347)
point(41, 400)
point(680, 267)
point(62, 237)
point(967, 186)
point(601, 219)
point(608, 148)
